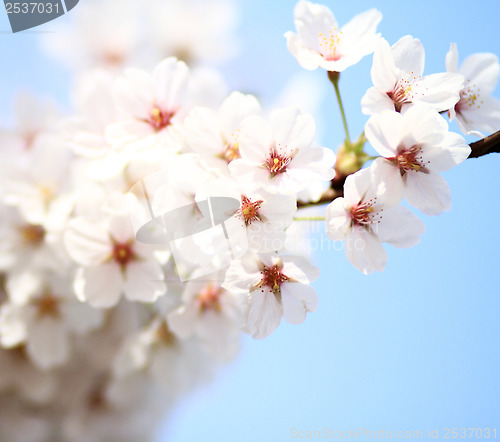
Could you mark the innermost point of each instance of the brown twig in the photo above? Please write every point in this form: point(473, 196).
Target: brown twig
point(485, 146)
point(489, 144)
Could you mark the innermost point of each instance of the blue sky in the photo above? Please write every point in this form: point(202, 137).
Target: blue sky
point(414, 348)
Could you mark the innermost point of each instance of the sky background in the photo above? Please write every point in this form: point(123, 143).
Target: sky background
point(414, 348)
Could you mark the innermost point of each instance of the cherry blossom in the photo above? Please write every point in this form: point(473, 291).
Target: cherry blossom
point(212, 314)
point(275, 287)
point(320, 43)
point(44, 318)
point(415, 147)
point(215, 135)
point(398, 80)
point(152, 104)
point(112, 262)
point(476, 110)
point(279, 154)
point(364, 220)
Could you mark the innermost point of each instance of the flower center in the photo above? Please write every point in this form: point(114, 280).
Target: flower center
point(276, 162)
point(403, 92)
point(364, 214)
point(329, 45)
point(160, 119)
point(469, 95)
point(231, 152)
point(272, 278)
point(410, 160)
point(164, 335)
point(123, 253)
point(249, 211)
point(47, 305)
point(32, 234)
point(209, 299)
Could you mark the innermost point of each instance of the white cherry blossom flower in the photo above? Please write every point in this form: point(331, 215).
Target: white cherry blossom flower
point(152, 104)
point(215, 135)
point(279, 155)
point(264, 216)
point(477, 110)
point(112, 262)
point(274, 287)
point(193, 30)
point(398, 80)
point(44, 318)
point(210, 313)
point(175, 364)
point(364, 221)
point(415, 147)
point(320, 43)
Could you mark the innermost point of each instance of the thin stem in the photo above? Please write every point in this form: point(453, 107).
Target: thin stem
point(309, 218)
point(334, 78)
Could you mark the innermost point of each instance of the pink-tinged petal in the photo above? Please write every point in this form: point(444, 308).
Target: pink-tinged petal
point(235, 109)
point(277, 208)
point(298, 299)
point(129, 134)
point(356, 187)
point(87, 241)
point(307, 58)
point(242, 275)
point(144, 281)
point(384, 131)
point(81, 318)
point(100, 286)
point(452, 151)
point(202, 132)
point(297, 268)
point(423, 125)
point(48, 343)
point(254, 172)
point(312, 19)
point(256, 139)
point(264, 313)
point(120, 228)
point(481, 71)
point(409, 55)
point(383, 72)
point(376, 101)
point(428, 192)
point(439, 91)
point(134, 93)
point(292, 129)
point(338, 220)
point(452, 59)
point(360, 31)
point(13, 325)
point(386, 179)
point(365, 251)
point(182, 321)
point(399, 227)
point(170, 80)
point(485, 118)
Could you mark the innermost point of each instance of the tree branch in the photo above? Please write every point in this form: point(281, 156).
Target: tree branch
point(489, 144)
point(485, 146)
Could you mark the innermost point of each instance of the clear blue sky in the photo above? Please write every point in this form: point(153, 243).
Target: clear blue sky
point(413, 348)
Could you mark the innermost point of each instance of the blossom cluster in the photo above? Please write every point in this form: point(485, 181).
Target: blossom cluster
point(143, 234)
